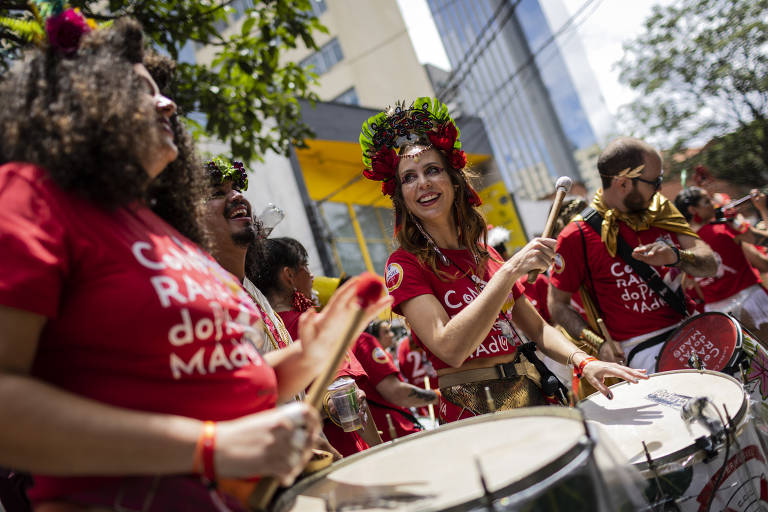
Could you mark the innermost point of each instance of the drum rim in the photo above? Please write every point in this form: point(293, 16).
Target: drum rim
point(739, 339)
point(738, 419)
point(551, 470)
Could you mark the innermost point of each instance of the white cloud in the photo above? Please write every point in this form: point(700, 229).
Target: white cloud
point(603, 33)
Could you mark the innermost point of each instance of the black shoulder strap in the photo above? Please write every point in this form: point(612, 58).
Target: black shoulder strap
point(675, 299)
point(592, 289)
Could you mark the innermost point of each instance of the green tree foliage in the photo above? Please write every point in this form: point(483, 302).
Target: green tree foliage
point(701, 68)
point(246, 95)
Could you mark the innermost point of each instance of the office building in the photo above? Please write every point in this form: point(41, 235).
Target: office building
point(510, 70)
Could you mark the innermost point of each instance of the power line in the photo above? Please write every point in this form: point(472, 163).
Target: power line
point(531, 59)
point(449, 90)
point(475, 43)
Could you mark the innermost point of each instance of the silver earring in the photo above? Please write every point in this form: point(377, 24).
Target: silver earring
point(431, 242)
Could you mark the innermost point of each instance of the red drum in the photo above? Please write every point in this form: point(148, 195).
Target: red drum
point(716, 338)
point(724, 346)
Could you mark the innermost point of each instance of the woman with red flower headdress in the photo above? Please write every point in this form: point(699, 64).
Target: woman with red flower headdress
point(129, 377)
point(459, 296)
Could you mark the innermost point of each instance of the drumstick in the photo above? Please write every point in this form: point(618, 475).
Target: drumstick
point(607, 336)
point(430, 407)
point(562, 186)
point(368, 290)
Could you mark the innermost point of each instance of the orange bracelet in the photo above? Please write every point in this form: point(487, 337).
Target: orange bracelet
point(204, 452)
point(584, 362)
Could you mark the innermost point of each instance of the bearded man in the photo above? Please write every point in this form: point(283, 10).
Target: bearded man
point(626, 254)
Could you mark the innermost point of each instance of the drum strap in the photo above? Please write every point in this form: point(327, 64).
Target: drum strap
point(659, 338)
point(674, 299)
point(405, 414)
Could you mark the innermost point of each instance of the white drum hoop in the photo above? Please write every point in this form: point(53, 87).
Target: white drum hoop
point(737, 420)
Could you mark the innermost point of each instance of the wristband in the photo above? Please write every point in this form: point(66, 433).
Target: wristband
point(677, 255)
point(583, 364)
point(204, 451)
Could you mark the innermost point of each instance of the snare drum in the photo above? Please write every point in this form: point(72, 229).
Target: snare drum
point(537, 456)
point(722, 345)
point(680, 471)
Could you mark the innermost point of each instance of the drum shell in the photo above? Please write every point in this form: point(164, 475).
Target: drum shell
point(360, 470)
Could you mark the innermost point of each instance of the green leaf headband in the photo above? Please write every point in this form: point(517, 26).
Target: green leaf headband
point(396, 126)
point(426, 118)
point(220, 170)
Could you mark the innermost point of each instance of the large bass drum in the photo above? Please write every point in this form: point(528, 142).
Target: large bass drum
point(533, 459)
point(690, 463)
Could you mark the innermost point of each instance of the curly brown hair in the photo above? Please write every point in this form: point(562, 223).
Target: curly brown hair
point(82, 118)
point(470, 222)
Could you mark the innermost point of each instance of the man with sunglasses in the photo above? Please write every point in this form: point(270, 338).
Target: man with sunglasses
point(626, 253)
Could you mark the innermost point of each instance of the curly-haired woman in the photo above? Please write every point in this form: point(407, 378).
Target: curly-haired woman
point(459, 296)
point(125, 350)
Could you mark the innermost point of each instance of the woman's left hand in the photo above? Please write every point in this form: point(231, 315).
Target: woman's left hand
point(596, 371)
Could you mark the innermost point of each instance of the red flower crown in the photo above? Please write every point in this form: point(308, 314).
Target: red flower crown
point(382, 133)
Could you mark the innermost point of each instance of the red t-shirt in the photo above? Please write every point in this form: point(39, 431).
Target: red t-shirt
point(407, 278)
point(536, 293)
point(347, 443)
point(379, 365)
point(734, 272)
point(137, 315)
point(622, 295)
point(290, 319)
point(414, 365)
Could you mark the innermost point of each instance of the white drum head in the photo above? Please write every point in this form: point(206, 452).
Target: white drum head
point(437, 470)
point(650, 411)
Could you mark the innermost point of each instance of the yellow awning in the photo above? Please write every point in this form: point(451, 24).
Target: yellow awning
point(333, 171)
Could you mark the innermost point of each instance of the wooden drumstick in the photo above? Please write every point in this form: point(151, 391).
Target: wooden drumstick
point(562, 186)
point(368, 290)
point(607, 336)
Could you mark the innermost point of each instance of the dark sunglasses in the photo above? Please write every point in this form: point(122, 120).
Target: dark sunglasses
point(656, 183)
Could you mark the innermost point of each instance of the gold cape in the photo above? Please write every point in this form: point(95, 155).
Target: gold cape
point(661, 213)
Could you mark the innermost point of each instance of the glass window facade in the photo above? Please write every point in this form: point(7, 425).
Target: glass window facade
point(531, 109)
point(349, 97)
point(375, 237)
